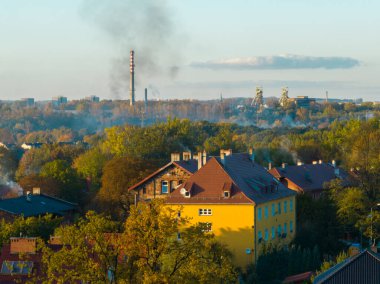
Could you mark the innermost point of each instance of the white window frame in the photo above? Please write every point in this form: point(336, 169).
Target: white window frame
point(204, 212)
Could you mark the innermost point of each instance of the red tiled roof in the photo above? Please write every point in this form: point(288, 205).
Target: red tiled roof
point(310, 177)
point(208, 185)
point(246, 181)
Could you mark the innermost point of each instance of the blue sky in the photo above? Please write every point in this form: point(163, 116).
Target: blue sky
point(189, 49)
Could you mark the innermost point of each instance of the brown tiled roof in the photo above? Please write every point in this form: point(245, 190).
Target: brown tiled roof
point(189, 166)
point(247, 182)
point(207, 186)
point(310, 177)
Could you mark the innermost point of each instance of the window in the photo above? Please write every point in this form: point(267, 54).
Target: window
point(178, 236)
point(187, 194)
point(266, 234)
point(179, 214)
point(259, 236)
point(206, 227)
point(285, 206)
point(273, 209)
point(279, 230)
point(204, 212)
point(164, 187)
point(16, 267)
point(144, 190)
point(273, 232)
point(266, 212)
point(226, 194)
point(285, 228)
point(279, 208)
point(291, 226)
point(291, 205)
point(259, 217)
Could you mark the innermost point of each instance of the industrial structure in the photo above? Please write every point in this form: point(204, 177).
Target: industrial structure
point(132, 78)
point(284, 100)
point(258, 100)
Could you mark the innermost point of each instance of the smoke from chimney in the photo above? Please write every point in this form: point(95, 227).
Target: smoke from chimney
point(146, 26)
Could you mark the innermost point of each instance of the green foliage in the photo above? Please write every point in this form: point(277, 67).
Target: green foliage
point(70, 186)
point(275, 263)
point(118, 175)
point(41, 227)
point(145, 251)
point(90, 164)
point(317, 224)
point(327, 264)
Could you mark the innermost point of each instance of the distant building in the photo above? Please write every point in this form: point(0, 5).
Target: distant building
point(93, 99)
point(28, 101)
point(57, 101)
point(28, 146)
point(302, 101)
point(309, 178)
point(35, 204)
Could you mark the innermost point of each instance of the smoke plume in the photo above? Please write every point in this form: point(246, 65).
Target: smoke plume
point(147, 26)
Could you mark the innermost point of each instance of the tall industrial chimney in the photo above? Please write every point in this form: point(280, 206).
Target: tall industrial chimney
point(132, 78)
point(146, 99)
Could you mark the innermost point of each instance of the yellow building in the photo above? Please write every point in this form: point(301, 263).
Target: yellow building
point(240, 202)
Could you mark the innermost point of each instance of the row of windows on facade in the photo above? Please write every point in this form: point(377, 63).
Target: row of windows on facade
point(274, 212)
point(281, 232)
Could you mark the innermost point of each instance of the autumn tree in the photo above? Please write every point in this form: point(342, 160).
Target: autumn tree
point(118, 175)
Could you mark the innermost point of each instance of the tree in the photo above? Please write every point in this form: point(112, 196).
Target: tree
point(70, 185)
point(42, 227)
point(147, 250)
point(89, 166)
point(162, 256)
point(118, 175)
point(91, 250)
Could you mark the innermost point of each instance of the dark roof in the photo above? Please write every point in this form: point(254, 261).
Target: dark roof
point(39, 204)
point(190, 166)
point(362, 268)
point(298, 278)
point(310, 177)
point(246, 181)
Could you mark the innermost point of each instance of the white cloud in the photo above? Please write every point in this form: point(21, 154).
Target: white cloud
point(279, 62)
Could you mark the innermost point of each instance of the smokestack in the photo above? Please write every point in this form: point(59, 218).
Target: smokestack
point(132, 78)
point(146, 98)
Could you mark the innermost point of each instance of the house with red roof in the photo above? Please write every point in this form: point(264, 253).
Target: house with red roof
point(310, 178)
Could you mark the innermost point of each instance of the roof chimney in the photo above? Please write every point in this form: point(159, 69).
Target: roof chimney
point(204, 158)
point(223, 157)
point(252, 154)
point(175, 157)
point(269, 165)
point(333, 163)
point(28, 196)
point(36, 191)
point(199, 158)
point(186, 156)
point(23, 245)
point(284, 165)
